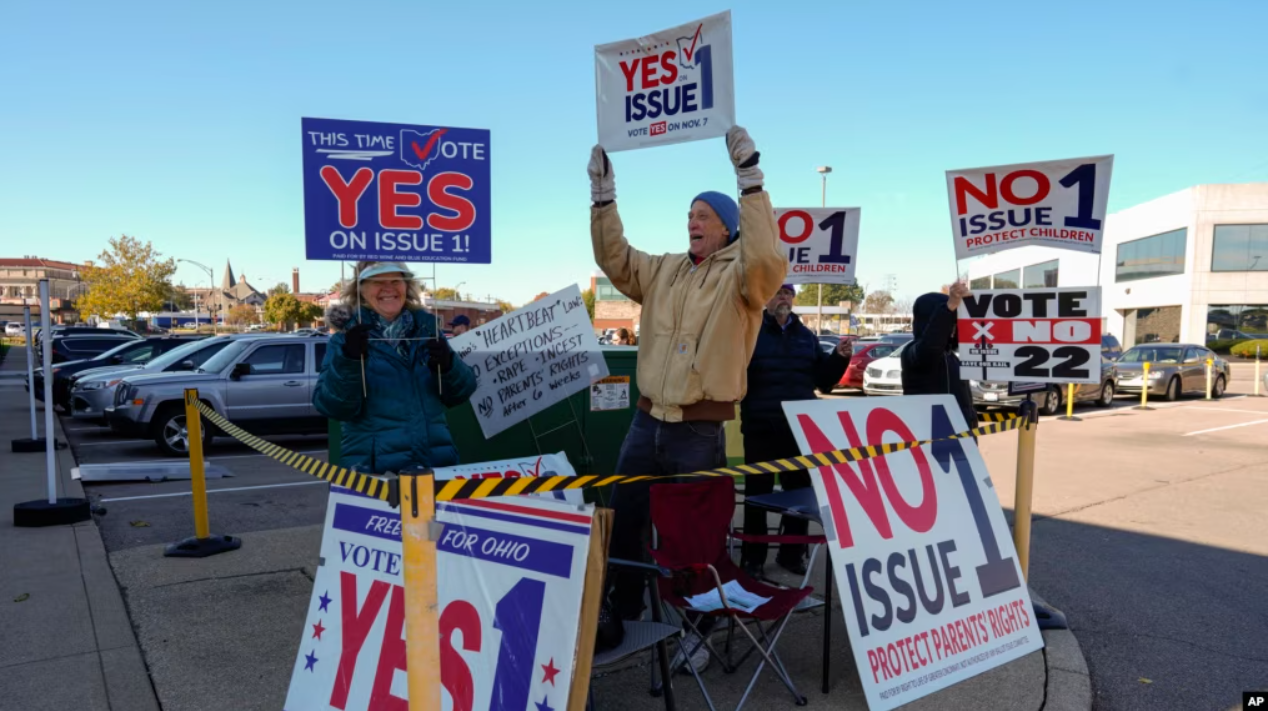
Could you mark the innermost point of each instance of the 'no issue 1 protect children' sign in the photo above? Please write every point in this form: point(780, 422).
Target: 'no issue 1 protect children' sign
point(396, 192)
point(931, 590)
point(1059, 203)
point(671, 87)
point(822, 243)
point(510, 573)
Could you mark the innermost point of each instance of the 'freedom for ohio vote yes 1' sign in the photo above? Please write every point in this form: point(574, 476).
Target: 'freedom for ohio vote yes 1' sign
point(510, 573)
point(930, 584)
point(396, 192)
point(1031, 335)
point(670, 87)
point(822, 243)
point(1059, 203)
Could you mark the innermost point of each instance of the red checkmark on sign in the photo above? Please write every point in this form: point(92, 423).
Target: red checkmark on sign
point(422, 153)
point(693, 42)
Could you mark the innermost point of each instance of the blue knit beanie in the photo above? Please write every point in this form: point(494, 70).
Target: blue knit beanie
point(726, 209)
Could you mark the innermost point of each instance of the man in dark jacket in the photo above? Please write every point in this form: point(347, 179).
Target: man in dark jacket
point(930, 366)
point(788, 364)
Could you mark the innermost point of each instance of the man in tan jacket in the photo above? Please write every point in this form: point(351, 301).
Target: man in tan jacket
point(701, 314)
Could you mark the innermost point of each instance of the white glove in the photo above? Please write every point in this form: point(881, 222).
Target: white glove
point(744, 157)
point(602, 179)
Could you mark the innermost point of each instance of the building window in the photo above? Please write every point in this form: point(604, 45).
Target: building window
point(1008, 279)
point(604, 291)
point(980, 283)
point(1240, 248)
point(1159, 255)
point(1228, 322)
point(1154, 325)
point(1039, 276)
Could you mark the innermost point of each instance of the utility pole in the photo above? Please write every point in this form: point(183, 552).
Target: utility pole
point(823, 170)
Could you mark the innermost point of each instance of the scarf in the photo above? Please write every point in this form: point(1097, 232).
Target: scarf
point(394, 332)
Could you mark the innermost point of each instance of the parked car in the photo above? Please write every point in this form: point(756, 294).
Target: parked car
point(264, 384)
point(14, 328)
point(900, 337)
point(1174, 370)
point(864, 354)
point(59, 331)
point(129, 353)
point(992, 392)
point(92, 391)
point(1228, 334)
point(884, 376)
point(307, 332)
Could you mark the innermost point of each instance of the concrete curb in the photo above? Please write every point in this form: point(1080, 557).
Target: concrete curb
point(1068, 686)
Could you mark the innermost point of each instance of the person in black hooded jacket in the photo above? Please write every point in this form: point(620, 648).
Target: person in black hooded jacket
point(930, 366)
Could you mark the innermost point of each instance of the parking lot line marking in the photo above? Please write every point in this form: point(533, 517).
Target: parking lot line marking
point(113, 441)
point(214, 491)
point(209, 460)
point(1232, 409)
point(1226, 427)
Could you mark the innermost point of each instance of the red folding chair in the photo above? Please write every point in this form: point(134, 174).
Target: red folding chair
point(692, 522)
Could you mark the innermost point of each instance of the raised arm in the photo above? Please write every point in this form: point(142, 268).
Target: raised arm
point(762, 265)
point(629, 269)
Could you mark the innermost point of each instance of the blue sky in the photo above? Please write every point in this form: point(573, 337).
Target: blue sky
point(179, 123)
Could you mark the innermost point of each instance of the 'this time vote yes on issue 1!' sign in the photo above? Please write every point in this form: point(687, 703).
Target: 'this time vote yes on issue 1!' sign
point(1059, 203)
point(1031, 335)
point(510, 580)
point(396, 192)
point(671, 87)
point(821, 243)
point(930, 585)
point(531, 359)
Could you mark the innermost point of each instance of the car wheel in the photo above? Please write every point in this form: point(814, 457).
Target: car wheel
point(1173, 389)
point(1107, 395)
point(1051, 402)
point(1217, 390)
point(171, 435)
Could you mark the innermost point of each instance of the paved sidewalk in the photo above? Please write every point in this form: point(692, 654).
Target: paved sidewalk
point(68, 640)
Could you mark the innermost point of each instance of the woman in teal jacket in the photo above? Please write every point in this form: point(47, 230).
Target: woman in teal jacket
point(393, 411)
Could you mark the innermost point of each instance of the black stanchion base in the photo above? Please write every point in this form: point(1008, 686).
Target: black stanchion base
point(26, 444)
point(1071, 418)
point(1049, 617)
point(34, 514)
point(202, 547)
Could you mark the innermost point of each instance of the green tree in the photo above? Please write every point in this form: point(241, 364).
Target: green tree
point(130, 278)
point(833, 294)
point(309, 313)
point(283, 310)
point(588, 297)
point(281, 288)
point(878, 302)
point(179, 298)
point(444, 293)
point(505, 306)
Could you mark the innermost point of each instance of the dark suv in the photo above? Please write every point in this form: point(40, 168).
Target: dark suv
point(128, 353)
point(1051, 400)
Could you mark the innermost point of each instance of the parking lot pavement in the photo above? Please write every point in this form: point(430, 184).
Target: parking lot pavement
point(262, 494)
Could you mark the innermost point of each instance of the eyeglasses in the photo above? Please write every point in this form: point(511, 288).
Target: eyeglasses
point(386, 282)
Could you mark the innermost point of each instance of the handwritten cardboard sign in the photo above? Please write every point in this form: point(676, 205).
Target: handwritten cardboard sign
point(531, 359)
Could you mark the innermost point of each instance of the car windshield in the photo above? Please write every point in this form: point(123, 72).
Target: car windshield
point(177, 354)
point(1153, 354)
point(117, 349)
point(221, 360)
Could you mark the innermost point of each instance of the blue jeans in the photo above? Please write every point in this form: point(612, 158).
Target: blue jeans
point(658, 448)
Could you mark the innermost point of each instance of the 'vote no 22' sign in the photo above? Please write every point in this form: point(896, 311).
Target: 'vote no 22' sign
point(821, 243)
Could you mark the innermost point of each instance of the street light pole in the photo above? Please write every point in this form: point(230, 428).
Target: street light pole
point(823, 170)
point(211, 284)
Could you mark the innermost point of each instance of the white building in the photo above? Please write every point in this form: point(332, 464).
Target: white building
point(1187, 267)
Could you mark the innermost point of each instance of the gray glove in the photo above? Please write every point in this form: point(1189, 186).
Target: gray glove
point(602, 179)
point(744, 157)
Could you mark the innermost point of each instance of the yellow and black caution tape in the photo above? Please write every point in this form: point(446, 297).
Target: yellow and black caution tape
point(456, 489)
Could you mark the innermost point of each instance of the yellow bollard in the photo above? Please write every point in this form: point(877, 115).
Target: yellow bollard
point(422, 616)
point(1208, 378)
point(203, 543)
point(1069, 404)
point(1144, 388)
point(1025, 485)
point(1257, 372)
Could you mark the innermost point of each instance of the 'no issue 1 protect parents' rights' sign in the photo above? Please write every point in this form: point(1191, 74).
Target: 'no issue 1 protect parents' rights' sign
point(1031, 335)
point(821, 243)
point(396, 192)
point(1059, 203)
point(531, 359)
point(930, 585)
point(510, 576)
point(671, 87)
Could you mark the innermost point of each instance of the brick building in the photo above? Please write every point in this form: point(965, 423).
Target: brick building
point(612, 309)
point(20, 280)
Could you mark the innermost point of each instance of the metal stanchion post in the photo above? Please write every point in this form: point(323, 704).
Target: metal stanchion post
point(1069, 404)
point(1025, 482)
point(203, 544)
point(419, 532)
point(1208, 378)
point(34, 444)
point(1144, 388)
point(1257, 371)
